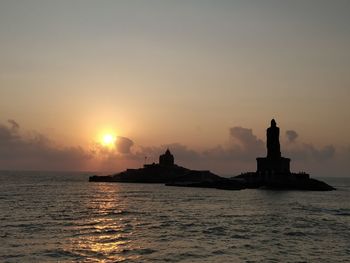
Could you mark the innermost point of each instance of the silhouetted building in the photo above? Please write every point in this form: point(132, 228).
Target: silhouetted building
point(273, 163)
point(166, 159)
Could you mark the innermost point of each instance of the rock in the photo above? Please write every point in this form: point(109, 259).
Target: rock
point(290, 181)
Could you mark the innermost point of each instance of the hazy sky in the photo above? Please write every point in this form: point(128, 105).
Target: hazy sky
point(163, 72)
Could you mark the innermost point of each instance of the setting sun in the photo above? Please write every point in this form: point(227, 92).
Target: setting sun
point(108, 140)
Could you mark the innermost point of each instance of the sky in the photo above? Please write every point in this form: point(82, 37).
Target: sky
point(203, 78)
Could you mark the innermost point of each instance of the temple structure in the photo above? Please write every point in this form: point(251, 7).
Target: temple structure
point(274, 163)
point(166, 159)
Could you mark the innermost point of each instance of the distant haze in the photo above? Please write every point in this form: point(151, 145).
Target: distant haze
point(201, 77)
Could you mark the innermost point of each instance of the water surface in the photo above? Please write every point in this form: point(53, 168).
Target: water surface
point(50, 217)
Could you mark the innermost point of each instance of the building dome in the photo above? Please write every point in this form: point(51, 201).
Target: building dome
point(166, 159)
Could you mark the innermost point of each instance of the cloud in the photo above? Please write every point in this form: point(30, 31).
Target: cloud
point(123, 145)
point(306, 152)
point(323, 161)
point(180, 151)
point(323, 154)
point(291, 135)
point(7, 133)
point(238, 155)
point(248, 142)
point(244, 146)
point(14, 124)
point(37, 151)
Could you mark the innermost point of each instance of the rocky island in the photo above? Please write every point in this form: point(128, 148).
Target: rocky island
point(273, 172)
point(167, 172)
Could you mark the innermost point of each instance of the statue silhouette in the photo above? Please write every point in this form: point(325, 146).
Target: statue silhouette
point(273, 141)
point(274, 163)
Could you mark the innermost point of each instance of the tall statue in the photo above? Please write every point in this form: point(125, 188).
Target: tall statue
point(273, 141)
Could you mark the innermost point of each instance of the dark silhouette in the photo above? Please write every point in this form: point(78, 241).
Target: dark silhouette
point(273, 163)
point(166, 159)
point(167, 172)
point(272, 172)
point(273, 141)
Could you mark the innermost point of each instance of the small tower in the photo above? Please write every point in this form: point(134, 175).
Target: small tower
point(166, 159)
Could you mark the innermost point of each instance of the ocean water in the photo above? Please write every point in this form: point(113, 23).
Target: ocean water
point(61, 217)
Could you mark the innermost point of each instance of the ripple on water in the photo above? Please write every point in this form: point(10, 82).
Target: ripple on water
point(236, 236)
point(80, 222)
point(296, 234)
point(62, 254)
point(218, 230)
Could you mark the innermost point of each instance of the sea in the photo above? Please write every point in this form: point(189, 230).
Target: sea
point(61, 217)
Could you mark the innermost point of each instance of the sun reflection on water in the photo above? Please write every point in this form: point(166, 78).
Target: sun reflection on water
point(105, 235)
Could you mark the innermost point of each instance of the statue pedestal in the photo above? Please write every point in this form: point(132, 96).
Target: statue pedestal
point(273, 166)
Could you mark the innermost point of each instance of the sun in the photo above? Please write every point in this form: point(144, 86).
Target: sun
point(108, 140)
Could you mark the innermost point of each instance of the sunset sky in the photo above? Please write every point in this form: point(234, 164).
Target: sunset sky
point(205, 77)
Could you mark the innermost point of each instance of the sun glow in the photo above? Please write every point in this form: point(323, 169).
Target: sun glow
point(108, 140)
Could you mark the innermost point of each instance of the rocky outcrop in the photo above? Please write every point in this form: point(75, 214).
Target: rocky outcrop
point(291, 181)
point(155, 174)
point(206, 179)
